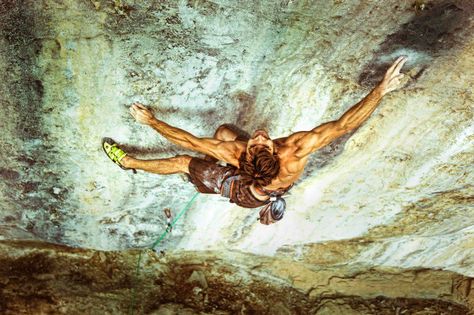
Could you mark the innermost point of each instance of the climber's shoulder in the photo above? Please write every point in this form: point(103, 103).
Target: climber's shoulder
point(291, 140)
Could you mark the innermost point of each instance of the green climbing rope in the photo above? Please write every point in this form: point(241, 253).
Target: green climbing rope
point(162, 236)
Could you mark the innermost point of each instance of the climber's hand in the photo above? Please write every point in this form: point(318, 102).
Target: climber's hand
point(391, 80)
point(141, 114)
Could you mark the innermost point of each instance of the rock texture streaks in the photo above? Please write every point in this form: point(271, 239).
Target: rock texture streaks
point(396, 193)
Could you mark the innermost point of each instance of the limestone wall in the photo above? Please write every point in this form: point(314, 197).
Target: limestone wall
point(397, 192)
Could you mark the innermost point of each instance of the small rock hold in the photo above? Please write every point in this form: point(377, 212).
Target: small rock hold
point(197, 290)
point(96, 4)
point(198, 277)
point(8, 174)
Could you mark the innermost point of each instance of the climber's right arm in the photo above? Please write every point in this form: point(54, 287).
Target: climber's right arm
point(227, 151)
point(307, 142)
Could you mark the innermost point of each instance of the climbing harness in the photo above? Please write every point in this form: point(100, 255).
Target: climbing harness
point(274, 207)
point(162, 236)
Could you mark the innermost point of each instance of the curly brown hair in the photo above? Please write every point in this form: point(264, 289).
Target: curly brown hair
point(261, 168)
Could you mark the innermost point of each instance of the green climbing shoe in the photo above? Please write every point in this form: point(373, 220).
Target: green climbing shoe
point(114, 153)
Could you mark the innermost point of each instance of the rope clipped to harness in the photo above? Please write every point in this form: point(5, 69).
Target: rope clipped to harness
point(273, 211)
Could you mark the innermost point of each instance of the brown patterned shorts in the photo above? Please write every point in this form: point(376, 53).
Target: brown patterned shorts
point(208, 176)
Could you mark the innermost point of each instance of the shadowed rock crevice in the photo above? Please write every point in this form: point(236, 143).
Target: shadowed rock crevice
point(20, 50)
point(440, 26)
point(24, 149)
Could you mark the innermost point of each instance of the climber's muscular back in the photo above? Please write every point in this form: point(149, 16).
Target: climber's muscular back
point(293, 151)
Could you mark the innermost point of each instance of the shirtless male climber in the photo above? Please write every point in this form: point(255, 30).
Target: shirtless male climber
point(259, 170)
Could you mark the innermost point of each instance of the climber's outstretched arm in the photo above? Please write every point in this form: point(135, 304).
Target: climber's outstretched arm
point(310, 141)
point(227, 151)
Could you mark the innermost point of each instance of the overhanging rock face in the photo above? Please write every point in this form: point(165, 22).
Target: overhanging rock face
point(396, 193)
point(42, 278)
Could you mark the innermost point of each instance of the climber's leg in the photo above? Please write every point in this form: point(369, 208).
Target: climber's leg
point(173, 165)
